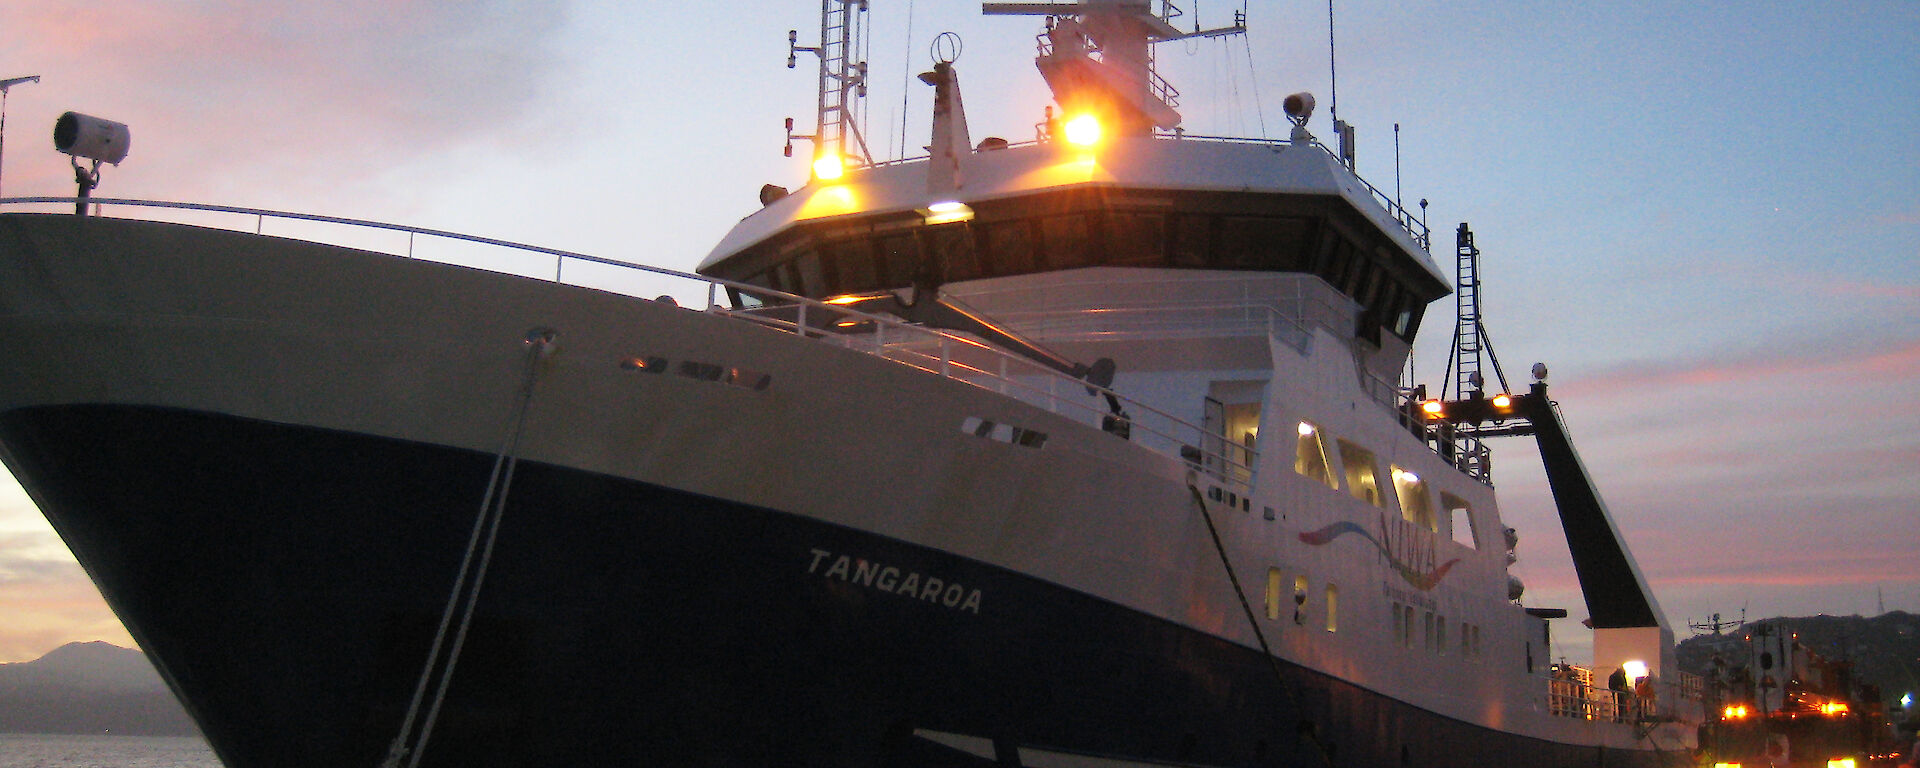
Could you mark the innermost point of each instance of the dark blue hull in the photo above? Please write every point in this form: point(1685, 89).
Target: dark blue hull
point(289, 580)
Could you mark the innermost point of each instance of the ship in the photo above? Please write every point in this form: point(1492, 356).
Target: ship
point(1084, 450)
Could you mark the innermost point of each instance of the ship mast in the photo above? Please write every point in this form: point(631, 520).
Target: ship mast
point(1097, 56)
point(836, 137)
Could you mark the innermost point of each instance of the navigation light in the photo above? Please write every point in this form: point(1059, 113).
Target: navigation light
point(1083, 131)
point(828, 166)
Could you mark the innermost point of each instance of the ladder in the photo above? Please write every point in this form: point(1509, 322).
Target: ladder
point(842, 81)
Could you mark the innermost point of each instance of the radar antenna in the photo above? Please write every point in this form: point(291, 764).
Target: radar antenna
point(842, 86)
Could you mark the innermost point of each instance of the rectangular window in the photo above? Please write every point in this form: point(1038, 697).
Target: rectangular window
point(1406, 626)
point(951, 248)
point(1136, 239)
point(1189, 244)
point(1010, 247)
point(1440, 634)
point(1274, 580)
point(1333, 608)
point(852, 266)
point(899, 256)
point(1460, 517)
point(1362, 474)
point(1069, 241)
point(1300, 599)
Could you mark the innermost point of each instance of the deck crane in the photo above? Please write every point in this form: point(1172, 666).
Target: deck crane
point(1628, 623)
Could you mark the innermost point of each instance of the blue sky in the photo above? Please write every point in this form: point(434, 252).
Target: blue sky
point(1704, 217)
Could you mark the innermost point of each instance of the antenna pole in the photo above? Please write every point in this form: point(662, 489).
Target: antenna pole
point(1333, 72)
point(1396, 169)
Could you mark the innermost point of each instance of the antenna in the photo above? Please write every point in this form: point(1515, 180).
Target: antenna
point(4, 85)
point(842, 86)
point(1396, 168)
point(1333, 71)
point(1469, 334)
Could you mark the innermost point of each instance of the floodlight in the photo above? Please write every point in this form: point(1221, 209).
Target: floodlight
point(91, 137)
point(1299, 107)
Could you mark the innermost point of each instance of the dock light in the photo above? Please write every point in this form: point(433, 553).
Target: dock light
point(1432, 408)
point(1503, 401)
point(828, 166)
point(1635, 670)
point(946, 212)
point(1726, 765)
point(1083, 131)
point(1833, 708)
point(1306, 430)
point(1734, 712)
point(1841, 762)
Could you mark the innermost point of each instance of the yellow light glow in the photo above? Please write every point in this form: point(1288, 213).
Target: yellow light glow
point(1083, 131)
point(1734, 712)
point(947, 212)
point(1726, 765)
point(1409, 477)
point(829, 200)
point(1833, 708)
point(1840, 762)
point(1305, 429)
point(1432, 407)
point(828, 166)
point(847, 299)
point(1502, 400)
point(1635, 669)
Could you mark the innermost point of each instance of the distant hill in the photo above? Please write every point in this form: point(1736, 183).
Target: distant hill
point(89, 688)
point(1885, 649)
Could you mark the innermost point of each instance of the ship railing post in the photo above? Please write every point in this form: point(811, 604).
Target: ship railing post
point(713, 291)
point(800, 322)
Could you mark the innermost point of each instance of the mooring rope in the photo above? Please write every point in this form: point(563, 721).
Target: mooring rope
point(493, 505)
point(1279, 678)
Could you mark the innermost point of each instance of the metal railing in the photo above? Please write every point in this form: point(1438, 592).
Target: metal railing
point(947, 354)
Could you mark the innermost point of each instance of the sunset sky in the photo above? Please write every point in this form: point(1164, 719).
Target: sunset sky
point(1705, 218)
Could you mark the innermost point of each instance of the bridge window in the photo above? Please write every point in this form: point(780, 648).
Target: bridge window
point(1010, 246)
point(1069, 241)
point(1136, 239)
point(853, 265)
point(952, 249)
point(899, 257)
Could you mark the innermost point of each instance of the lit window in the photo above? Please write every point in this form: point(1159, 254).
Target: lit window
point(1333, 608)
point(1362, 474)
point(1414, 504)
point(1300, 599)
point(1273, 593)
point(1310, 459)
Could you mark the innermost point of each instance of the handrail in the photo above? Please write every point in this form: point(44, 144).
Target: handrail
point(939, 352)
